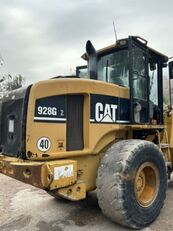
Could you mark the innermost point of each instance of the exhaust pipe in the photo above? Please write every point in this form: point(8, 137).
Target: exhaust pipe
point(92, 61)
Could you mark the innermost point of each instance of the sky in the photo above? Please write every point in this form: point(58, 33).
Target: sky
point(40, 39)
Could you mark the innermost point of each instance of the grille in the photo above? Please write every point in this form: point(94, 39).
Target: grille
point(75, 122)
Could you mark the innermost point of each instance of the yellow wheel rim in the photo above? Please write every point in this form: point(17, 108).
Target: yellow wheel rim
point(146, 184)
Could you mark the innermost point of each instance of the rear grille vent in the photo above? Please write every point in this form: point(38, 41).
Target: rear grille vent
point(75, 122)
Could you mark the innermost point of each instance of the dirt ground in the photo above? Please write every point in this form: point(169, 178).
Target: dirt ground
point(25, 208)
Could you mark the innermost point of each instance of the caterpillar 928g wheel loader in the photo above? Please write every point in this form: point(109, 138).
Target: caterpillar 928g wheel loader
point(108, 131)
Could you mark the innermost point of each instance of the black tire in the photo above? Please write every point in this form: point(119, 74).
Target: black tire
point(116, 183)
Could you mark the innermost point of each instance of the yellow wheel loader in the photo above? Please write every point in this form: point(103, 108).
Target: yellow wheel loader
point(102, 129)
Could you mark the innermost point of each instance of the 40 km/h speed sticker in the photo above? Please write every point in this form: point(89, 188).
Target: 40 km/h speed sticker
point(43, 144)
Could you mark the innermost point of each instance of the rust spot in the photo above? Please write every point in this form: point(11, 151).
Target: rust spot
point(29, 154)
point(10, 171)
point(4, 170)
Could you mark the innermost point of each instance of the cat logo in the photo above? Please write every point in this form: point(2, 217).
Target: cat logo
point(105, 113)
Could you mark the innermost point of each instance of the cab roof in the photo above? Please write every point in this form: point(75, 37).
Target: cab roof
point(122, 43)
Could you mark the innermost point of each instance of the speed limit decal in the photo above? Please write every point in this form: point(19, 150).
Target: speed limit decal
point(43, 144)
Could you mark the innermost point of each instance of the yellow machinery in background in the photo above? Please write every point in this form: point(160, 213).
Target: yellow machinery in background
point(105, 130)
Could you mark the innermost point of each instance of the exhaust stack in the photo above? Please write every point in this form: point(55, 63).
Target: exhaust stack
point(92, 61)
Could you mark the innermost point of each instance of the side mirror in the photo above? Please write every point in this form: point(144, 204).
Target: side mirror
point(171, 70)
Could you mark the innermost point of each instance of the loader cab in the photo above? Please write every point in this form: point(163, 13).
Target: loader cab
point(145, 82)
point(132, 64)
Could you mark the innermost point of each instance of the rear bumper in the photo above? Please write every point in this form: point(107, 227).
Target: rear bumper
point(58, 176)
point(49, 175)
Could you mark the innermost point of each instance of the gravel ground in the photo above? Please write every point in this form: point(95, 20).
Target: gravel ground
point(25, 208)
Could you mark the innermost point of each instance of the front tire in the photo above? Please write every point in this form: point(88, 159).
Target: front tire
point(132, 183)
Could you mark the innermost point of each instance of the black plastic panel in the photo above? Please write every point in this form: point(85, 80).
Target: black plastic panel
point(75, 122)
point(13, 122)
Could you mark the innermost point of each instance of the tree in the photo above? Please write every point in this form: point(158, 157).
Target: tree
point(9, 83)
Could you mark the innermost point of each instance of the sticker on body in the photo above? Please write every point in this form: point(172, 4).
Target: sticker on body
point(63, 171)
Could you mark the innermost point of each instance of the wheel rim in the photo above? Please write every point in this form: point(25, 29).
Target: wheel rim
point(146, 184)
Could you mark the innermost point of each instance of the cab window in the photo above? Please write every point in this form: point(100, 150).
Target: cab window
point(139, 74)
point(113, 68)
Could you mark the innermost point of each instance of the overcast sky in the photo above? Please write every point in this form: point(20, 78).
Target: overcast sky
point(40, 39)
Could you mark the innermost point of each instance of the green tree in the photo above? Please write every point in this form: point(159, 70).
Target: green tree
point(9, 82)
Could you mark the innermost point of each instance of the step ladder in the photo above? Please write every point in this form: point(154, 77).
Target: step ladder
point(163, 143)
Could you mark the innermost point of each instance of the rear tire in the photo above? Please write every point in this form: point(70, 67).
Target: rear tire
point(132, 183)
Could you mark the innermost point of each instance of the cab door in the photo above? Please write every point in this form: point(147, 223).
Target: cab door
point(139, 82)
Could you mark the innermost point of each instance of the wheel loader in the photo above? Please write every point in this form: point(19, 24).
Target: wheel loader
point(103, 129)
